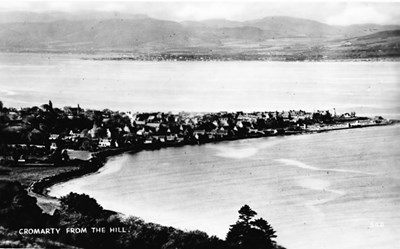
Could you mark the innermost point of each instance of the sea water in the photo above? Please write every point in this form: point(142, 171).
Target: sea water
point(368, 88)
point(331, 190)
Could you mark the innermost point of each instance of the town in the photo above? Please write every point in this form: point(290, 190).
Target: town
point(47, 135)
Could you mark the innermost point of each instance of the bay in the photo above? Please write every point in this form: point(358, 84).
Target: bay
point(331, 190)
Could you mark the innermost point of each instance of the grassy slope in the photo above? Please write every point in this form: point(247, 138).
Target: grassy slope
point(27, 175)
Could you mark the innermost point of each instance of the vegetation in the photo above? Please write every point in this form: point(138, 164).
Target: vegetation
point(81, 203)
point(250, 233)
point(18, 210)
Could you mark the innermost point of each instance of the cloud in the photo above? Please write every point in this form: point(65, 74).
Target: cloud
point(358, 13)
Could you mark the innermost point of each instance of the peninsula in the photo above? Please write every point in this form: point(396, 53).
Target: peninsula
point(43, 145)
point(48, 135)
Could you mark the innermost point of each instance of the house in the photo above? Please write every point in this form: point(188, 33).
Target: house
point(140, 123)
point(159, 115)
point(21, 159)
point(199, 132)
point(221, 132)
point(244, 117)
point(105, 143)
point(72, 111)
point(54, 137)
point(127, 129)
point(131, 116)
point(252, 131)
point(286, 115)
point(72, 136)
point(148, 141)
point(223, 122)
point(53, 146)
point(92, 131)
point(271, 131)
point(346, 115)
point(140, 132)
point(170, 138)
point(153, 125)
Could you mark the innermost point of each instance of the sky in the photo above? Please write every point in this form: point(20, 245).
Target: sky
point(330, 12)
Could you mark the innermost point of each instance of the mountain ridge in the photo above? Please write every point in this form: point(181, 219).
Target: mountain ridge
point(128, 33)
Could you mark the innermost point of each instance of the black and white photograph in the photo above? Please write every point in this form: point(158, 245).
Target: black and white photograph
point(199, 124)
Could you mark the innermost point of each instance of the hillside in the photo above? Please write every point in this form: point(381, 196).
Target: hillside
point(268, 38)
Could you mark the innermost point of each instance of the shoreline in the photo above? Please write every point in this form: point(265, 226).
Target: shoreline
point(41, 186)
point(118, 56)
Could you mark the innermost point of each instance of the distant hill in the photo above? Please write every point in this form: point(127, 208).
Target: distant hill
point(113, 34)
point(381, 44)
point(281, 26)
point(47, 17)
point(381, 35)
point(212, 23)
point(96, 32)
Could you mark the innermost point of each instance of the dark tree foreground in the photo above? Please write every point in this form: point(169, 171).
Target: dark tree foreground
point(19, 210)
point(250, 233)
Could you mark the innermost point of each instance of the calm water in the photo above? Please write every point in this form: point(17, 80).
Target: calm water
point(332, 190)
point(368, 88)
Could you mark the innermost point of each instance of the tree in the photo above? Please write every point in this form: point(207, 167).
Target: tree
point(247, 233)
point(81, 203)
point(265, 228)
point(17, 208)
point(246, 214)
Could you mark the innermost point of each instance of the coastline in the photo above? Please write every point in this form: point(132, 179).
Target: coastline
point(41, 186)
point(119, 56)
